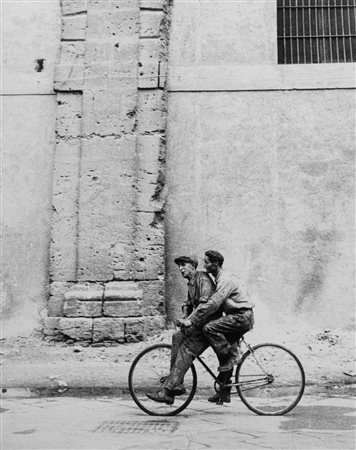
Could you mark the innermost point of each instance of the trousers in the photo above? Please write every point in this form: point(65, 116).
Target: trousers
point(222, 334)
point(177, 340)
point(190, 347)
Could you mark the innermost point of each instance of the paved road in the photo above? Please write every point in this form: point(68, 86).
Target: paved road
point(319, 422)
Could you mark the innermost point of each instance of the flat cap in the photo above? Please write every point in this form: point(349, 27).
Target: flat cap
point(190, 258)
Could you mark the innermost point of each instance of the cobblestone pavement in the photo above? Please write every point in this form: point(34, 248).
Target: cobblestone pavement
point(319, 422)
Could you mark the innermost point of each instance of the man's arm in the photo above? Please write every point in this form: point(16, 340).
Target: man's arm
point(201, 315)
point(206, 288)
point(186, 309)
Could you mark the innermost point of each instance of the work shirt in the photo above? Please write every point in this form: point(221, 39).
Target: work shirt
point(200, 289)
point(231, 295)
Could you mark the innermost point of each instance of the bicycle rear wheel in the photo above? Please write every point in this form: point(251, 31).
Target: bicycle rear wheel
point(270, 380)
point(147, 374)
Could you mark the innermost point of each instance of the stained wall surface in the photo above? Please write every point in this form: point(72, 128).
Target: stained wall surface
point(260, 164)
point(30, 41)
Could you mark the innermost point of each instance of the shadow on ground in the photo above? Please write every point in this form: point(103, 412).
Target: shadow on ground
point(320, 418)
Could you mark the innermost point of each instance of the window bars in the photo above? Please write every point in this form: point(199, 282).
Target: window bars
point(316, 31)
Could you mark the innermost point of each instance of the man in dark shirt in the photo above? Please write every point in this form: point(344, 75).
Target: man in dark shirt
point(186, 343)
point(200, 289)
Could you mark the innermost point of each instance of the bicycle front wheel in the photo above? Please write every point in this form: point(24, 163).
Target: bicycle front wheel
point(147, 375)
point(270, 380)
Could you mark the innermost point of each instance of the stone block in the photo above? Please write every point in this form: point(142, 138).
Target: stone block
point(107, 205)
point(148, 75)
point(74, 27)
point(149, 246)
point(69, 115)
point(152, 121)
point(79, 308)
point(146, 190)
point(72, 52)
point(149, 152)
point(150, 229)
point(68, 77)
point(152, 4)
point(151, 100)
point(134, 330)
point(151, 113)
point(122, 308)
point(122, 290)
point(74, 6)
point(154, 325)
point(70, 69)
point(76, 328)
point(153, 297)
point(51, 326)
point(110, 113)
point(108, 329)
point(85, 292)
point(150, 49)
point(150, 22)
point(162, 78)
point(56, 298)
point(113, 5)
point(113, 53)
point(151, 265)
point(113, 23)
point(64, 210)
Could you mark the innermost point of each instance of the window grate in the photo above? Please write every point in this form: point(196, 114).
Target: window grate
point(316, 31)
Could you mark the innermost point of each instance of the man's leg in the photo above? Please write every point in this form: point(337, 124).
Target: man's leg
point(177, 339)
point(223, 396)
point(189, 349)
point(223, 333)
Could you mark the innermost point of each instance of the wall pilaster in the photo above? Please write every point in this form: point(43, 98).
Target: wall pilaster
point(107, 252)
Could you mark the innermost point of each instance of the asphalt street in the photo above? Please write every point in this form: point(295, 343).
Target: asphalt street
point(318, 422)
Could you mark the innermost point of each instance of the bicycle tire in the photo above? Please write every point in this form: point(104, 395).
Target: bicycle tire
point(146, 374)
point(283, 386)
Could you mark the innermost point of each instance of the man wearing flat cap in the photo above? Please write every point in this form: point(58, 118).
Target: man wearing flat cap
point(200, 289)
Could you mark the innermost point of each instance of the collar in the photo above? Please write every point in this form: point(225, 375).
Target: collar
point(192, 280)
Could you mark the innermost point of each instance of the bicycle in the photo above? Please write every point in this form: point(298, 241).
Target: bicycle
point(269, 379)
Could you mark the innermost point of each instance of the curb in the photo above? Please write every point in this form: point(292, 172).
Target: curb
point(330, 389)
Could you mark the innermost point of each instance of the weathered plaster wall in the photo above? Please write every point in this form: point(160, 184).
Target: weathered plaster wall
point(260, 164)
point(30, 40)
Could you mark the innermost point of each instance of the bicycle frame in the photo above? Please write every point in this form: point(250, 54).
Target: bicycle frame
point(255, 383)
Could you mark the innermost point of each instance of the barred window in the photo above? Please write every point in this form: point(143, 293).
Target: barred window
point(316, 31)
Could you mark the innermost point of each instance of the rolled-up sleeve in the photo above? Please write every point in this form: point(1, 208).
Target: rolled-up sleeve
point(186, 307)
point(206, 289)
point(201, 315)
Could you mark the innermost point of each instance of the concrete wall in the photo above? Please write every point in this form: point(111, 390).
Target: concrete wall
point(30, 42)
point(260, 163)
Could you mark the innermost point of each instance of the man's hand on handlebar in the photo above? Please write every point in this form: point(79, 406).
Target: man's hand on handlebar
point(183, 323)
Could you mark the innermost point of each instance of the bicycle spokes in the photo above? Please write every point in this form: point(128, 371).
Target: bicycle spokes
point(270, 379)
point(147, 375)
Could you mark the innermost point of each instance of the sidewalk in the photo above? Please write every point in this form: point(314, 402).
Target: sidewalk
point(31, 366)
point(318, 422)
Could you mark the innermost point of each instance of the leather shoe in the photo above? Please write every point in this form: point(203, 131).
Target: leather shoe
point(162, 396)
point(220, 397)
point(179, 390)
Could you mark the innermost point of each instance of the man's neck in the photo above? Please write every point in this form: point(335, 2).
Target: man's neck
point(217, 272)
point(192, 275)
